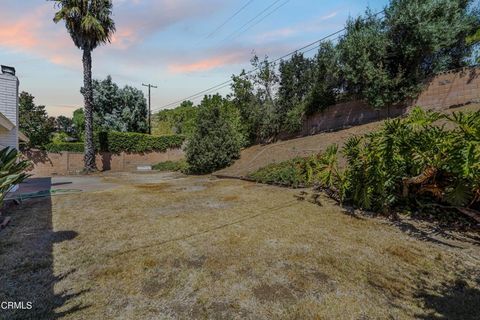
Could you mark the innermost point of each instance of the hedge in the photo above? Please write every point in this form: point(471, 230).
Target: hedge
point(65, 146)
point(116, 142)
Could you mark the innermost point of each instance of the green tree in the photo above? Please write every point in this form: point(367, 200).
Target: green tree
point(89, 24)
point(474, 40)
point(363, 53)
point(118, 109)
point(180, 120)
point(326, 79)
point(216, 140)
point(106, 100)
point(427, 37)
point(134, 111)
point(34, 121)
point(244, 99)
point(64, 124)
point(79, 122)
point(265, 79)
point(296, 78)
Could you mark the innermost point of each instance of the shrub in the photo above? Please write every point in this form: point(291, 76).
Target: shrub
point(12, 171)
point(290, 173)
point(301, 172)
point(415, 162)
point(65, 146)
point(117, 142)
point(216, 140)
point(180, 165)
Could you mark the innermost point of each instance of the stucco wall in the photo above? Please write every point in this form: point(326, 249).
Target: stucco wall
point(9, 108)
point(446, 90)
point(65, 163)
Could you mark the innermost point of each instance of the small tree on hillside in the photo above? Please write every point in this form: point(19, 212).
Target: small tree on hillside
point(216, 140)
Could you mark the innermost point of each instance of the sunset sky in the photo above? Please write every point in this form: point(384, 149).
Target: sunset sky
point(178, 45)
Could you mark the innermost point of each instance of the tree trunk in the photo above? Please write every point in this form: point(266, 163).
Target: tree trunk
point(89, 157)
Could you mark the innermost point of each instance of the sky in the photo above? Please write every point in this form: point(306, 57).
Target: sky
point(181, 46)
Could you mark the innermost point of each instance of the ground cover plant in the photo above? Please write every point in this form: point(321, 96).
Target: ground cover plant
point(296, 173)
point(180, 165)
point(426, 161)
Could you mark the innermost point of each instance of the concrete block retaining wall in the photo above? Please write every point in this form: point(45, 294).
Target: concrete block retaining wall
point(66, 163)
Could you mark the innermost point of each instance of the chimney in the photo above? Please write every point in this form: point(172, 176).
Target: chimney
point(8, 70)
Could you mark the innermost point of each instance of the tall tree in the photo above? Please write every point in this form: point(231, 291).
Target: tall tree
point(106, 100)
point(90, 24)
point(295, 82)
point(427, 37)
point(133, 106)
point(326, 79)
point(244, 99)
point(64, 124)
point(118, 109)
point(34, 121)
point(79, 122)
point(363, 53)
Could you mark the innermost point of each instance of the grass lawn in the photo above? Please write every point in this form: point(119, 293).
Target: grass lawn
point(165, 246)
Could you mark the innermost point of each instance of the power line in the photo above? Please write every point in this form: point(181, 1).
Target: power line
point(226, 83)
point(253, 19)
point(229, 19)
point(263, 18)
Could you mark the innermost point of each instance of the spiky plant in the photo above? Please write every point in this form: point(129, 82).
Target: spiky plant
point(12, 171)
point(90, 25)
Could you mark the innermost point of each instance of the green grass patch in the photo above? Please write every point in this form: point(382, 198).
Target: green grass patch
point(171, 166)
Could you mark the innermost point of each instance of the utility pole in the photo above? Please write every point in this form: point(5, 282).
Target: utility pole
point(149, 106)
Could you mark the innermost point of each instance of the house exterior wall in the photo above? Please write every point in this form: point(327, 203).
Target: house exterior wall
point(9, 108)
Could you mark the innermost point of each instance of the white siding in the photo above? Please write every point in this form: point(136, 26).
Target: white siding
point(9, 108)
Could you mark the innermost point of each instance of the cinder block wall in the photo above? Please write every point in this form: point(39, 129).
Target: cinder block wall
point(446, 90)
point(452, 88)
point(9, 108)
point(66, 163)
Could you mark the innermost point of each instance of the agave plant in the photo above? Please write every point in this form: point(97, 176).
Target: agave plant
point(12, 171)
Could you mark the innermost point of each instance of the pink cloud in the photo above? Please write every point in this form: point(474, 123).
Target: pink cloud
point(208, 64)
point(33, 33)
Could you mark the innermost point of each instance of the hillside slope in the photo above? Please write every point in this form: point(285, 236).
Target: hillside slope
point(259, 156)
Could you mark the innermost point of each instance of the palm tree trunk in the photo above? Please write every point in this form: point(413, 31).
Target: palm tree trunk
point(89, 157)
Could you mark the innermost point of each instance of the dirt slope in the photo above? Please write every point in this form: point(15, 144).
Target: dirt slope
point(259, 156)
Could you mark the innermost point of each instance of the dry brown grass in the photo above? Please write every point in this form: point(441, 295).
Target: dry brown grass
point(200, 248)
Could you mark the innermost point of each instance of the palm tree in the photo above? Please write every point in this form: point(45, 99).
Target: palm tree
point(90, 24)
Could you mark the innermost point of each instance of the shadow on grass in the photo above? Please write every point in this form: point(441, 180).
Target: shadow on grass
point(27, 262)
point(434, 234)
point(454, 301)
